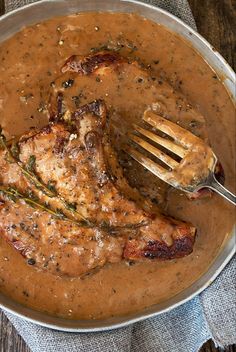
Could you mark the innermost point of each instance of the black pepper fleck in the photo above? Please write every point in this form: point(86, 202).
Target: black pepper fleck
point(31, 261)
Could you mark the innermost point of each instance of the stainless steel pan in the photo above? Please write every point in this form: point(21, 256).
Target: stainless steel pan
point(13, 22)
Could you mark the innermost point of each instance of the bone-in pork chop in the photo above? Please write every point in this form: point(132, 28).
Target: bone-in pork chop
point(66, 207)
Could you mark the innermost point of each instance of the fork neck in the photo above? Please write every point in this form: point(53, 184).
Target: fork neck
point(220, 189)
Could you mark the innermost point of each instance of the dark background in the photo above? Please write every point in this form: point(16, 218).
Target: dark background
point(216, 21)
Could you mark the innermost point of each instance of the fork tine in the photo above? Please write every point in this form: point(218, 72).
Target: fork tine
point(174, 148)
point(155, 151)
point(179, 134)
point(156, 169)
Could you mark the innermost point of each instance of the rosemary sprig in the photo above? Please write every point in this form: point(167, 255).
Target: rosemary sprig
point(49, 190)
point(31, 199)
point(29, 172)
point(14, 194)
point(13, 157)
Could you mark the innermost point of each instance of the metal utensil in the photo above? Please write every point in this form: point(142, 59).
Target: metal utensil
point(195, 169)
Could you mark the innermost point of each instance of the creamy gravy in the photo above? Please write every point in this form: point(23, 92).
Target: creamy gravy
point(30, 61)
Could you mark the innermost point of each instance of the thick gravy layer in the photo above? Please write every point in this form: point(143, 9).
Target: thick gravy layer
point(30, 61)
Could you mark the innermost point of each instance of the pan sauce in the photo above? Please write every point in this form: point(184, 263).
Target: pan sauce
point(30, 61)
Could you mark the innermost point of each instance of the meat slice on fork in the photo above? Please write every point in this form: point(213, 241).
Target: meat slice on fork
point(66, 207)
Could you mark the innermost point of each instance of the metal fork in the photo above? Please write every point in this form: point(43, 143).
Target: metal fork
point(194, 168)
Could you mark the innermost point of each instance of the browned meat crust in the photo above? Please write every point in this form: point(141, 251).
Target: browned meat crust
point(89, 64)
point(135, 250)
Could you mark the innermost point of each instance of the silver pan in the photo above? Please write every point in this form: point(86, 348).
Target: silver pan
point(13, 22)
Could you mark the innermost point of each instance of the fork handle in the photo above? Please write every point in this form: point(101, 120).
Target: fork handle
point(217, 187)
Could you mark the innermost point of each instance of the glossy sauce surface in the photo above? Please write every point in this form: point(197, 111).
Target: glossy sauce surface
point(30, 61)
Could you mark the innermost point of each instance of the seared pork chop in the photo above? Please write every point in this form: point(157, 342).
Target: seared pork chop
point(133, 88)
point(85, 79)
point(66, 207)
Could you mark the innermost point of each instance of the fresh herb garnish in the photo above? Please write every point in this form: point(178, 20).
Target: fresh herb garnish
point(13, 194)
point(51, 186)
point(15, 150)
point(29, 172)
point(31, 163)
point(31, 199)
